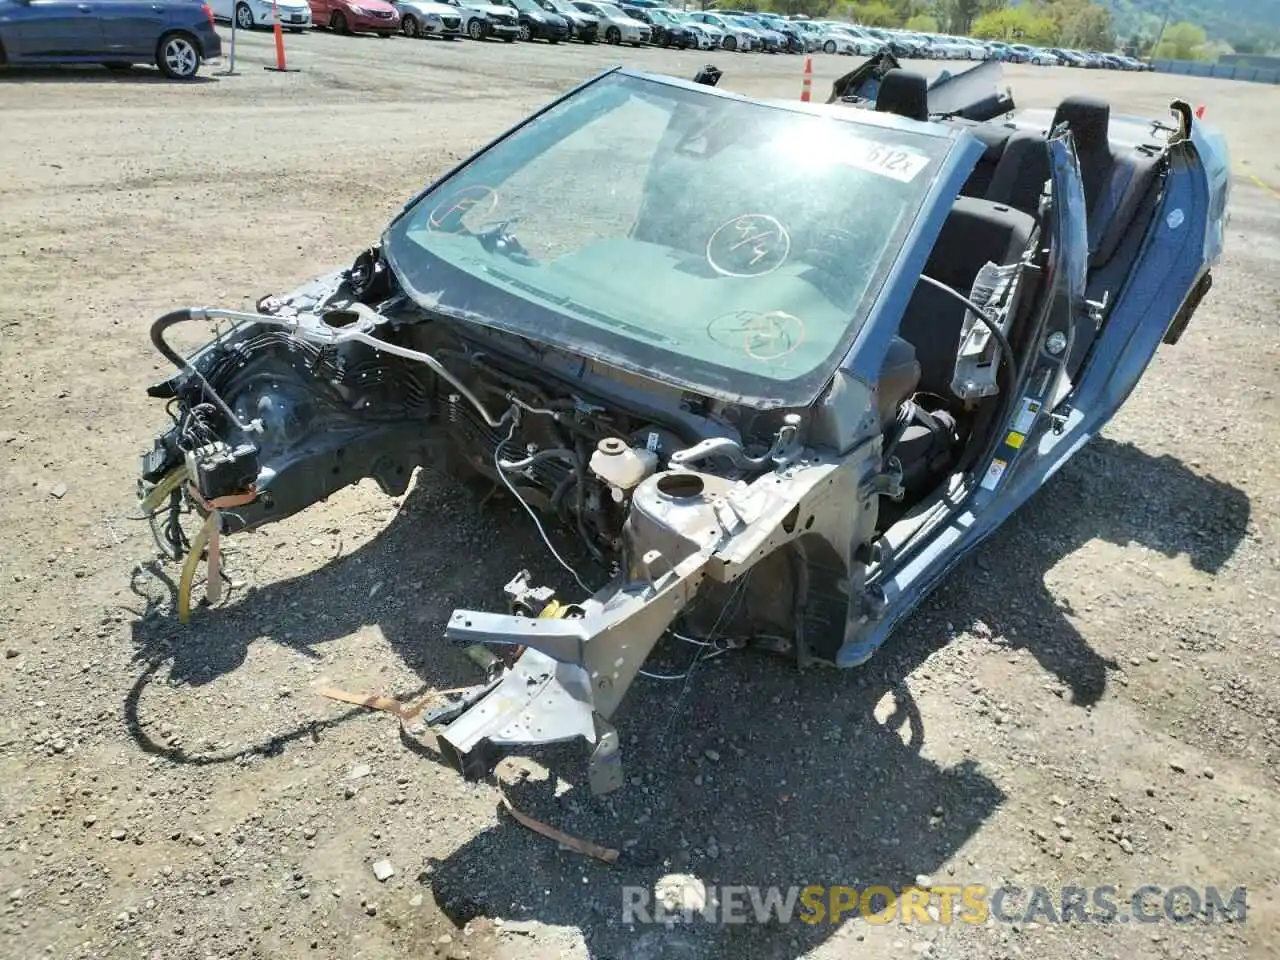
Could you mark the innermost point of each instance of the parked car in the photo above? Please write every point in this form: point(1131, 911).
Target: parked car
point(897, 44)
point(1027, 54)
point(176, 35)
point(582, 26)
point(536, 23)
point(973, 49)
point(663, 30)
point(917, 46)
point(864, 44)
point(705, 36)
point(1000, 51)
point(1121, 62)
point(946, 48)
point(615, 26)
point(481, 20)
point(295, 15)
point(356, 16)
point(733, 37)
point(814, 35)
point(771, 41)
point(833, 41)
point(678, 32)
point(797, 40)
point(427, 18)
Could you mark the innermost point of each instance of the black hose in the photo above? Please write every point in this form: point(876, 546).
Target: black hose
point(157, 339)
point(561, 491)
point(986, 321)
point(580, 504)
point(903, 420)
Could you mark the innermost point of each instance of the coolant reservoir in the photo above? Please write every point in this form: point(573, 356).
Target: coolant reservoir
point(622, 466)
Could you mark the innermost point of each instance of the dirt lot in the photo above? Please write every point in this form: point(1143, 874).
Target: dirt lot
point(1092, 699)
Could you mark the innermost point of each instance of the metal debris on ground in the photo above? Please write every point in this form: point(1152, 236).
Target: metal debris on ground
point(607, 854)
point(407, 712)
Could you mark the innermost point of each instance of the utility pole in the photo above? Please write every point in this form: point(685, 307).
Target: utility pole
point(1168, 9)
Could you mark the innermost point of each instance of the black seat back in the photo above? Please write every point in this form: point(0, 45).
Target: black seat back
point(1088, 119)
point(905, 93)
point(1021, 173)
point(976, 232)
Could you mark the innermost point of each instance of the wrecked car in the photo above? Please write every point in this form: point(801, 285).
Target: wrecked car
point(775, 422)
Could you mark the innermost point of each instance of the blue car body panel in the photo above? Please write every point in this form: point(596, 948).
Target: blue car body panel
point(45, 32)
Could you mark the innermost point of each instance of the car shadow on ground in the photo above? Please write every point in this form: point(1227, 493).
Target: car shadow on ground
point(92, 73)
point(848, 798)
point(1112, 492)
point(846, 795)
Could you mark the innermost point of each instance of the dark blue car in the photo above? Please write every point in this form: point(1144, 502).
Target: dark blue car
point(176, 35)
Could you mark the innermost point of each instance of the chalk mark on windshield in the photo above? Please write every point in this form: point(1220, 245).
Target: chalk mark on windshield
point(749, 245)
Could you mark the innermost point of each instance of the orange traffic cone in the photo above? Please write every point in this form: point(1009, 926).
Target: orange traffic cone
point(280, 64)
point(1200, 112)
point(806, 87)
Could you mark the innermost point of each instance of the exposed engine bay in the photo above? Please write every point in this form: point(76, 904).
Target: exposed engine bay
point(674, 495)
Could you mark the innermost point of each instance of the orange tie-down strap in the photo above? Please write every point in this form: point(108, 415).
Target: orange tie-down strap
point(407, 712)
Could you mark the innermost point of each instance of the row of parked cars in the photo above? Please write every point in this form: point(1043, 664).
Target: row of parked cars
point(634, 22)
point(178, 35)
point(639, 22)
point(906, 45)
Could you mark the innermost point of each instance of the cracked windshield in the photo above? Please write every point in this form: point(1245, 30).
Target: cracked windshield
point(703, 240)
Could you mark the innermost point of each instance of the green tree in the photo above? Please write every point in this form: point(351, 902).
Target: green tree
point(874, 13)
point(904, 10)
point(1082, 25)
point(810, 8)
point(959, 15)
point(1139, 45)
point(923, 23)
point(1248, 45)
point(1021, 24)
point(1182, 41)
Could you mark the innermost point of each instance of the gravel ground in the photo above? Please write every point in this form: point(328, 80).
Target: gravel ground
point(1091, 699)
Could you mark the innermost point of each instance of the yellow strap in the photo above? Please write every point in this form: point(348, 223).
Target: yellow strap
point(554, 610)
point(160, 492)
point(189, 567)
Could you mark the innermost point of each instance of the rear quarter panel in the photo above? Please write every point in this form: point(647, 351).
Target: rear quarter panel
point(189, 17)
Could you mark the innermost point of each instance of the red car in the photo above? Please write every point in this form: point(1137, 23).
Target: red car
point(356, 16)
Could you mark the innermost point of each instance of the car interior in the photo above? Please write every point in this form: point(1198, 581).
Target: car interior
point(994, 219)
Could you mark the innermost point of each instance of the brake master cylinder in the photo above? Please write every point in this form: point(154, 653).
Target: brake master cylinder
point(622, 466)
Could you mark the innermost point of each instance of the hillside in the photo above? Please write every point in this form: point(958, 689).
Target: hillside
point(1243, 23)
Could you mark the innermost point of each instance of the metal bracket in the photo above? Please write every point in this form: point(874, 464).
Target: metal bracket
point(887, 483)
point(604, 769)
point(524, 599)
point(450, 711)
point(1097, 309)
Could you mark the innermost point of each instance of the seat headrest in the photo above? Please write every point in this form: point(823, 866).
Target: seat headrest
point(905, 93)
point(1087, 118)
